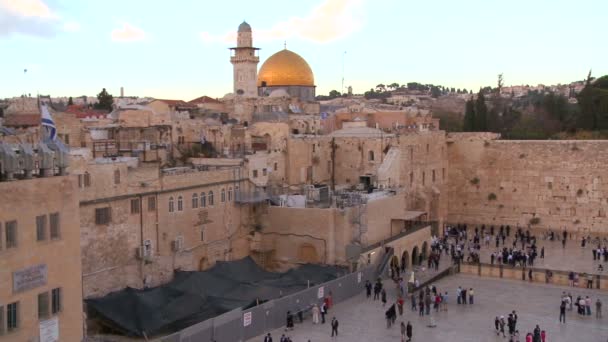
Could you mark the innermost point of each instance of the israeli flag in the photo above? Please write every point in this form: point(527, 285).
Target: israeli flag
point(47, 122)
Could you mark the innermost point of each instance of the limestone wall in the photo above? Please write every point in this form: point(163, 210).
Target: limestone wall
point(560, 184)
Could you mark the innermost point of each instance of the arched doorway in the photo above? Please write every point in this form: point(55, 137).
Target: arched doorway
point(308, 253)
point(395, 261)
point(425, 251)
point(415, 260)
point(202, 264)
point(405, 260)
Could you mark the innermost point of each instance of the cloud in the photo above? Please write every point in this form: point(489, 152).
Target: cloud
point(329, 21)
point(71, 26)
point(128, 33)
point(30, 17)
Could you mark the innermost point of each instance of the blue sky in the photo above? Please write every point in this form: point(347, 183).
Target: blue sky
point(178, 49)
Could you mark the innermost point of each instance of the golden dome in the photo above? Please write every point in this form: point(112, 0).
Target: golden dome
point(285, 68)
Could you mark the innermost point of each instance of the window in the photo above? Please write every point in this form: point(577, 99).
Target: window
point(194, 201)
point(116, 176)
point(210, 197)
point(80, 181)
point(443, 174)
point(151, 203)
point(102, 215)
point(10, 231)
point(180, 203)
point(54, 225)
point(411, 178)
point(41, 228)
point(427, 148)
point(433, 176)
point(56, 300)
point(313, 148)
point(223, 195)
point(264, 172)
point(370, 155)
point(203, 200)
point(276, 166)
point(203, 234)
point(171, 205)
point(255, 173)
point(43, 305)
point(230, 194)
point(12, 316)
point(423, 177)
point(87, 179)
point(135, 206)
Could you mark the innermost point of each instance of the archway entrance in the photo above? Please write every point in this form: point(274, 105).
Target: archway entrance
point(202, 264)
point(394, 261)
point(415, 260)
point(405, 260)
point(425, 251)
point(308, 253)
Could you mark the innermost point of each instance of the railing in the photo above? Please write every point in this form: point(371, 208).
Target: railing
point(415, 226)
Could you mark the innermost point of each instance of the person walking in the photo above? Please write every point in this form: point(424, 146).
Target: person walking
point(536, 334)
point(323, 312)
point(413, 298)
point(383, 296)
point(502, 326)
point(403, 332)
point(471, 296)
point(408, 331)
point(368, 289)
point(588, 306)
point(334, 327)
point(598, 309)
point(562, 312)
point(315, 314)
point(497, 325)
point(268, 338)
point(400, 305)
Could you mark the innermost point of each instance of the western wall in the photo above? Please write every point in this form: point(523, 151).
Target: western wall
point(538, 184)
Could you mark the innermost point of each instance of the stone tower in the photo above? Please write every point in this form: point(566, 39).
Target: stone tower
point(245, 61)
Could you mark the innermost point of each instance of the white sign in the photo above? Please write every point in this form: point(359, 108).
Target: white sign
point(320, 293)
point(359, 277)
point(49, 330)
point(247, 319)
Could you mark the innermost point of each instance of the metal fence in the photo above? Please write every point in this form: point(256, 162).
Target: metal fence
point(241, 325)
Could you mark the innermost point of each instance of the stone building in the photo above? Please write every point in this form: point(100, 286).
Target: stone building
point(40, 267)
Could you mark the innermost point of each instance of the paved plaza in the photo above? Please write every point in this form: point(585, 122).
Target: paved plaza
point(362, 319)
point(571, 258)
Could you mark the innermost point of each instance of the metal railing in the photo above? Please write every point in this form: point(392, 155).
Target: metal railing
point(415, 226)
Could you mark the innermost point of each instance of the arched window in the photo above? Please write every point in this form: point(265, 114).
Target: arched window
point(194, 201)
point(370, 156)
point(203, 200)
point(229, 194)
point(210, 197)
point(180, 203)
point(171, 205)
point(223, 195)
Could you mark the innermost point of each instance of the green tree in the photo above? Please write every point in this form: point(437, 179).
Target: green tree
point(393, 85)
point(70, 101)
point(481, 113)
point(333, 94)
point(381, 87)
point(104, 101)
point(469, 117)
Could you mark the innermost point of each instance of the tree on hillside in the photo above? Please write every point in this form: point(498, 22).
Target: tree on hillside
point(393, 85)
point(481, 113)
point(500, 84)
point(70, 101)
point(104, 101)
point(334, 93)
point(381, 87)
point(469, 117)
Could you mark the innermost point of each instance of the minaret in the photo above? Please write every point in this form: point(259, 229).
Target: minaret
point(245, 63)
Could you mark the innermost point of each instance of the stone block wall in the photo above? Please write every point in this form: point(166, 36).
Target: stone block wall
point(542, 184)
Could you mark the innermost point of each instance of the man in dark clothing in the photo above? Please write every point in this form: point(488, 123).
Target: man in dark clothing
point(562, 312)
point(536, 337)
point(268, 338)
point(408, 331)
point(368, 288)
point(323, 312)
point(542, 252)
point(334, 327)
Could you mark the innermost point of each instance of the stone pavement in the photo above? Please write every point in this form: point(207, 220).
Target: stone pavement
point(572, 258)
point(362, 319)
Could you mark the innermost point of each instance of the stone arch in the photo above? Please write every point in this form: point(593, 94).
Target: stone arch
point(308, 253)
point(425, 252)
point(203, 264)
point(394, 261)
point(415, 260)
point(405, 258)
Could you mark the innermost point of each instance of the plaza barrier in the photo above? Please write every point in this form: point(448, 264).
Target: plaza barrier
point(244, 324)
point(539, 275)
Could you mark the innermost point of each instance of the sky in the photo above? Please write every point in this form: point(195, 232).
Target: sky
point(179, 49)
